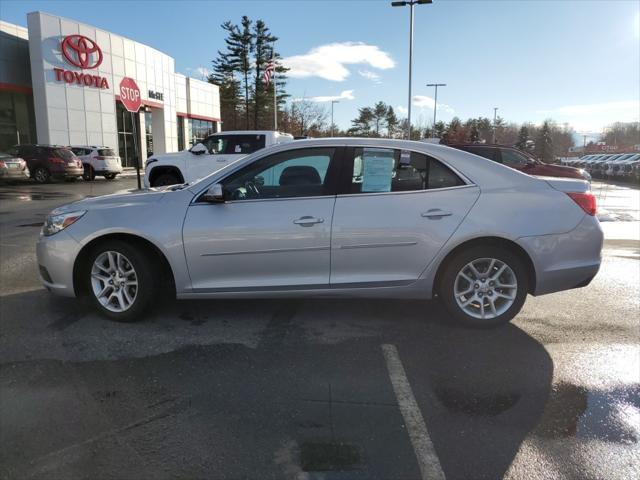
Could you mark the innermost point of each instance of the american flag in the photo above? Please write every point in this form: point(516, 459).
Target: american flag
point(268, 73)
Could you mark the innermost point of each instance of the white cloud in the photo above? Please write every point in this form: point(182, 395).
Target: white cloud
point(423, 101)
point(344, 95)
point(200, 72)
point(328, 61)
point(631, 107)
point(594, 116)
point(402, 110)
point(369, 75)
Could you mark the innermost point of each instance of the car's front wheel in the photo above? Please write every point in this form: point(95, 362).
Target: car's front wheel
point(120, 280)
point(484, 286)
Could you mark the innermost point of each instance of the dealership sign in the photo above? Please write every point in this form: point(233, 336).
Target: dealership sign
point(84, 53)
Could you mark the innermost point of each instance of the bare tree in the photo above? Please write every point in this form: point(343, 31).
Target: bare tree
point(307, 117)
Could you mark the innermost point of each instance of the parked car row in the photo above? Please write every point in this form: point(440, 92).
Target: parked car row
point(622, 166)
point(46, 162)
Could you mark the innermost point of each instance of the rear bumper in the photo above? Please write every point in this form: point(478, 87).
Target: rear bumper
point(14, 174)
point(568, 260)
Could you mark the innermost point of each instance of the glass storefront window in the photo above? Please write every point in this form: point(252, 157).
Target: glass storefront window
point(148, 132)
point(127, 148)
point(17, 119)
point(199, 130)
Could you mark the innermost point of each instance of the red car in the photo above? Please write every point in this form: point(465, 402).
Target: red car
point(49, 161)
point(519, 160)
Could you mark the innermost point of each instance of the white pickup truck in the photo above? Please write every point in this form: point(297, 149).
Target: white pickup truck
point(213, 153)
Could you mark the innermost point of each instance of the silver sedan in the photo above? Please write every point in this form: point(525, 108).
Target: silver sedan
point(332, 217)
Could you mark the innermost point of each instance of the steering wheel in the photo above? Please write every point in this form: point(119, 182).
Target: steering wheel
point(252, 189)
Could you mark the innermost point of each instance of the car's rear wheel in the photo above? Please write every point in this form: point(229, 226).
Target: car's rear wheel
point(484, 286)
point(89, 174)
point(165, 179)
point(120, 280)
point(42, 175)
point(109, 176)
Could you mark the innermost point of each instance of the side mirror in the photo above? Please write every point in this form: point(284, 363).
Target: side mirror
point(198, 149)
point(214, 194)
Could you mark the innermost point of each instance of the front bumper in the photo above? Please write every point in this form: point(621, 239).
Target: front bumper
point(567, 260)
point(56, 256)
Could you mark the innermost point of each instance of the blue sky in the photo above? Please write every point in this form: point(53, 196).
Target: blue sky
point(573, 61)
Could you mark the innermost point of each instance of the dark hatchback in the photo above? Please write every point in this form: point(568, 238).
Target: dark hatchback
point(519, 160)
point(49, 161)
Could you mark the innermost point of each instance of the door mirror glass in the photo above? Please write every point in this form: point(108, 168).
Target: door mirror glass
point(198, 149)
point(214, 194)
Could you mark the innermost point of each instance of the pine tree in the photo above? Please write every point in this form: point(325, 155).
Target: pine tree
point(523, 138)
point(263, 48)
point(362, 124)
point(544, 143)
point(392, 122)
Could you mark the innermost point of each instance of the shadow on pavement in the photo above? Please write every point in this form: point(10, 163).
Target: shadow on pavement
point(235, 389)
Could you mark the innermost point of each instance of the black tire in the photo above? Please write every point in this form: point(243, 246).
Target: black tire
point(165, 179)
point(456, 264)
point(109, 176)
point(42, 175)
point(146, 272)
point(89, 173)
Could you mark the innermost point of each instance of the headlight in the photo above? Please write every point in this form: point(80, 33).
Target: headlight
point(55, 223)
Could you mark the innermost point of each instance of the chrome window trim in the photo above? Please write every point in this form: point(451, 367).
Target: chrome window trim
point(407, 192)
point(463, 177)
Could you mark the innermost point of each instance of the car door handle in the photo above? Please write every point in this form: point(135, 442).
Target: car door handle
point(307, 221)
point(435, 213)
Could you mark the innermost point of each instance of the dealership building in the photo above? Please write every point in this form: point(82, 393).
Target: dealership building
point(60, 83)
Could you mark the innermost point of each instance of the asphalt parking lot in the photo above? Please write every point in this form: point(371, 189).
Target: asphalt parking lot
point(317, 389)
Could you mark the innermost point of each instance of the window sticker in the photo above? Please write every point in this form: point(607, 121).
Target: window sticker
point(378, 170)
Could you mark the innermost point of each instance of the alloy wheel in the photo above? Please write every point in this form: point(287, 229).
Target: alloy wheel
point(485, 288)
point(114, 281)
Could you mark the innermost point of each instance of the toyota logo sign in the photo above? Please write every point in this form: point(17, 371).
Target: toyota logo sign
point(81, 51)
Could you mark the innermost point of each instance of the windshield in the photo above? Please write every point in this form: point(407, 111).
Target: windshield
point(106, 152)
point(64, 153)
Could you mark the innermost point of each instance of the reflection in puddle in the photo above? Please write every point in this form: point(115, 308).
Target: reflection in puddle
point(606, 415)
point(477, 405)
point(28, 197)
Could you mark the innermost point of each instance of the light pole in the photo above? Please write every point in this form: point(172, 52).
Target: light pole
point(332, 103)
point(435, 101)
point(495, 113)
point(411, 4)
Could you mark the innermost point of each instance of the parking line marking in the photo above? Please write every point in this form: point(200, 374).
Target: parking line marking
point(428, 460)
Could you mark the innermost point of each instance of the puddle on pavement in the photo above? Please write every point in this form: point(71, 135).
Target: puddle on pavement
point(606, 415)
point(457, 401)
point(324, 457)
point(28, 197)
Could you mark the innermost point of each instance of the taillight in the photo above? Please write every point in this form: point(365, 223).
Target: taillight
point(2, 164)
point(57, 160)
point(586, 201)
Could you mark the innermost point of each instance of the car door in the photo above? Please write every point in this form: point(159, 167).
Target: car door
point(394, 212)
point(273, 231)
point(221, 150)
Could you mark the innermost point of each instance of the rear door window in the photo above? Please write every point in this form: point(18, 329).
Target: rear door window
point(244, 144)
point(389, 170)
point(513, 159)
point(64, 153)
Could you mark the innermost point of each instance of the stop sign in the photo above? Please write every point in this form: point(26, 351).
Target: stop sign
point(130, 94)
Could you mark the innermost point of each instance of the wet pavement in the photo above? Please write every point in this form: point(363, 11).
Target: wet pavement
point(300, 389)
